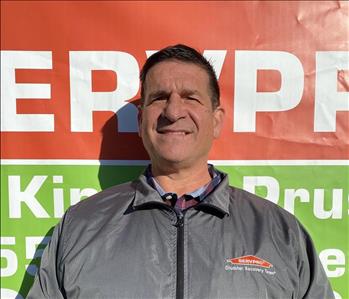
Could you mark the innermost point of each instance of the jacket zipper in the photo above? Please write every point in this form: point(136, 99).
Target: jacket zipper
point(180, 256)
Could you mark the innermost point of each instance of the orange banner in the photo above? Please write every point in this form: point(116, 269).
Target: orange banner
point(70, 66)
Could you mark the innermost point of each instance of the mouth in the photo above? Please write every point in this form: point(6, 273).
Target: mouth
point(173, 132)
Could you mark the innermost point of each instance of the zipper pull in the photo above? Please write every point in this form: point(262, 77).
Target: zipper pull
point(180, 219)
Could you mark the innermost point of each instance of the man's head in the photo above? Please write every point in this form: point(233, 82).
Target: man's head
point(185, 54)
point(178, 119)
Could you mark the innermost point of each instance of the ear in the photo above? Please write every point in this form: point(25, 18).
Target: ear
point(139, 118)
point(218, 119)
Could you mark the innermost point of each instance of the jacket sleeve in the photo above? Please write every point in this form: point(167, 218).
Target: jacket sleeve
point(313, 282)
point(48, 279)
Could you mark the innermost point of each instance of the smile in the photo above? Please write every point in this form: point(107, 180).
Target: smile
point(170, 132)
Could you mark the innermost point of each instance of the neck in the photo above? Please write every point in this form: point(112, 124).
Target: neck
point(181, 181)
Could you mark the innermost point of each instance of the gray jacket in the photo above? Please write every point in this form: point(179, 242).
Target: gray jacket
point(124, 242)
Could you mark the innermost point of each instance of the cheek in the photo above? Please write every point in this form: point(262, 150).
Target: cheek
point(201, 119)
point(145, 118)
point(148, 125)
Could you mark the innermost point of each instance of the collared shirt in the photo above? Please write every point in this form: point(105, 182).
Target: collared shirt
point(186, 200)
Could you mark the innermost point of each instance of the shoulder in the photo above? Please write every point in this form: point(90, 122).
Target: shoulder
point(111, 198)
point(246, 200)
point(278, 235)
point(99, 209)
point(256, 216)
point(260, 211)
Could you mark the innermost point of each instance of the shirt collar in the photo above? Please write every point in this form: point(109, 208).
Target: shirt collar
point(147, 197)
point(200, 193)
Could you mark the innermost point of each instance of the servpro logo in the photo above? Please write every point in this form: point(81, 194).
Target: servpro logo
point(244, 263)
point(250, 260)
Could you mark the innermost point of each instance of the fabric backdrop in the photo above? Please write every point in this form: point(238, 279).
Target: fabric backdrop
point(69, 95)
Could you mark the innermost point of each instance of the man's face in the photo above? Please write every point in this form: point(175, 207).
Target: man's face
point(177, 121)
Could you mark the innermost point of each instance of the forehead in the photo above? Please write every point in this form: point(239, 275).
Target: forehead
point(177, 75)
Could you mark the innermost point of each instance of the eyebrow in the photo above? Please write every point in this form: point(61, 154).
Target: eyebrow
point(164, 93)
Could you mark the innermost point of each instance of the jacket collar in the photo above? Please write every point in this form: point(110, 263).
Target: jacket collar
point(146, 196)
point(219, 198)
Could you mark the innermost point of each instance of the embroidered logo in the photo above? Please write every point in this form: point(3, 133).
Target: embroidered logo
point(249, 263)
point(250, 260)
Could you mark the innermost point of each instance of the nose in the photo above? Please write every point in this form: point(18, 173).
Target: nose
point(174, 108)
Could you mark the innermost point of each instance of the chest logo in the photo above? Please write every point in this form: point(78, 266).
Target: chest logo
point(249, 263)
point(249, 260)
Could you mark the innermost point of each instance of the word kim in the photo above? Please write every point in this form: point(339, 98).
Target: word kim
point(248, 101)
point(29, 196)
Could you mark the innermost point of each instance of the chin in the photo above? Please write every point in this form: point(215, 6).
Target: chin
point(172, 159)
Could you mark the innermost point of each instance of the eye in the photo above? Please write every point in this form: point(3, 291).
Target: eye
point(162, 98)
point(157, 99)
point(193, 98)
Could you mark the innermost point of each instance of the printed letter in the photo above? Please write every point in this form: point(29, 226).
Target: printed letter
point(319, 204)
point(291, 195)
point(16, 196)
point(327, 99)
point(10, 91)
point(273, 190)
point(84, 101)
point(248, 101)
point(333, 257)
point(10, 256)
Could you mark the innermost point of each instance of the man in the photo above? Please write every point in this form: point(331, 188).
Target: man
point(179, 231)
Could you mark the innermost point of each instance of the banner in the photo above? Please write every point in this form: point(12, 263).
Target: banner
point(70, 90)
